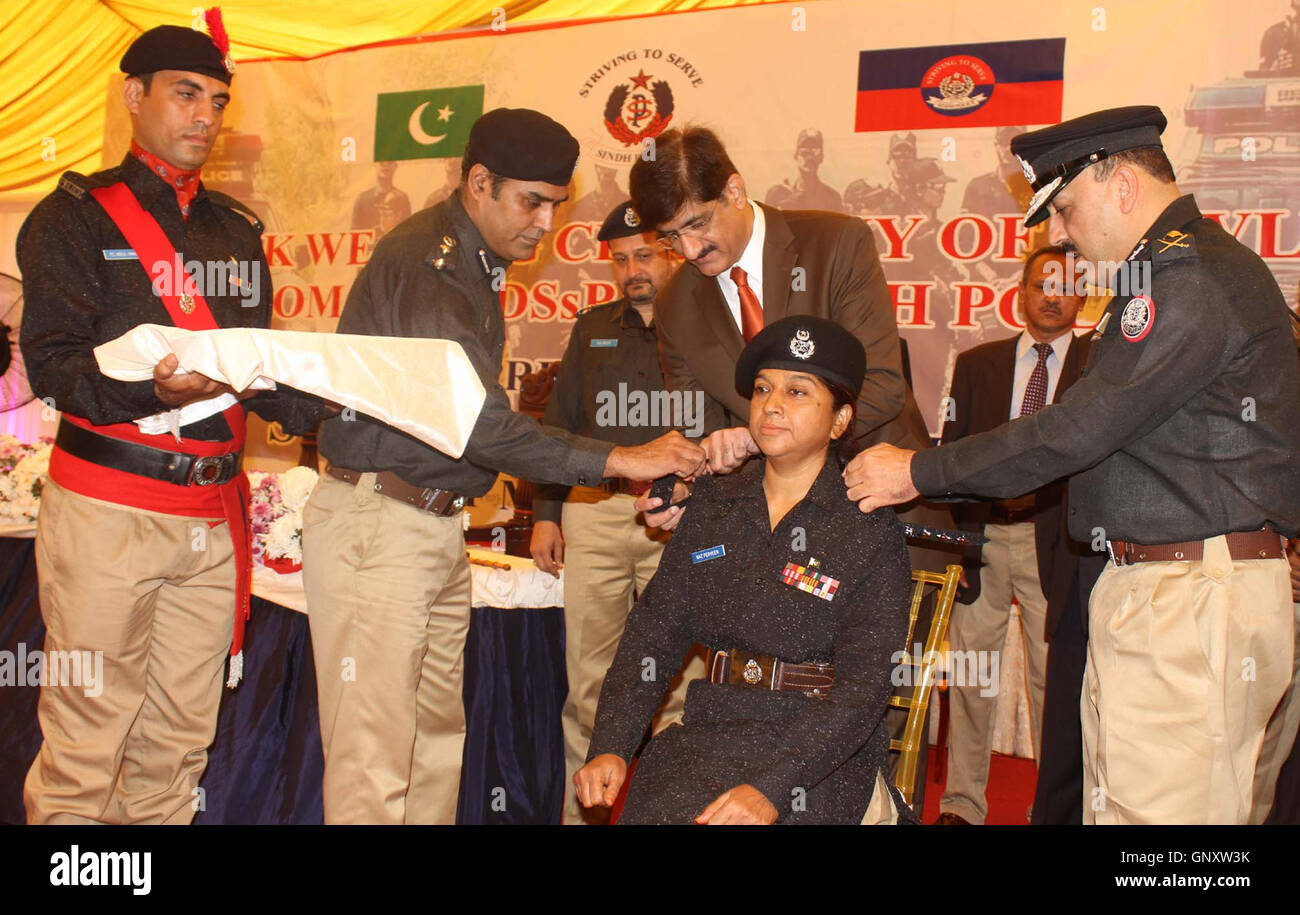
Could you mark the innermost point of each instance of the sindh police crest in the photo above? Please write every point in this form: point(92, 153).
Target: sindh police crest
point(801, 345)
point(636, 111)
point(630, 218)
point(957, 85)
point(1136, 319)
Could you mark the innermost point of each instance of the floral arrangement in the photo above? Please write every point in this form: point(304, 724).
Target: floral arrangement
point(275, 510)
point(23, 469)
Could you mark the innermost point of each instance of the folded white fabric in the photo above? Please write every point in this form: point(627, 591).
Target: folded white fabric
point(425, 388)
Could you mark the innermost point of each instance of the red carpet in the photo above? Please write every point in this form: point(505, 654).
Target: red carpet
point(1010, 790)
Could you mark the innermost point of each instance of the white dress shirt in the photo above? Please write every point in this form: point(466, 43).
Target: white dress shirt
point(751, 261)
point(1027, 358)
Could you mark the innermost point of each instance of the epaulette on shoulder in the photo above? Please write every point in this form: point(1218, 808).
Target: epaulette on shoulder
point(593, 309)
point(231, 203)
point(75, 184)
point(79, 186)
point(1174, 245)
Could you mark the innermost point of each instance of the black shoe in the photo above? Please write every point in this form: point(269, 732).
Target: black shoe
point(949, 819)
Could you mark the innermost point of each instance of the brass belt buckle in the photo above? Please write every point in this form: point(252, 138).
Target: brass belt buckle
point(753, 672)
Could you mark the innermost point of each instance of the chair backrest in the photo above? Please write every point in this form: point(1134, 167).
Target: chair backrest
point(535, 389)
point(921, 670)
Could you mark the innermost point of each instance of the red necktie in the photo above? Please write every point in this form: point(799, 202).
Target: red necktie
point(751, 313)
point(1036, 390)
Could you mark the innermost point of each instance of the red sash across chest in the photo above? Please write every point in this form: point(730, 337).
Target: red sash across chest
point(187, 309)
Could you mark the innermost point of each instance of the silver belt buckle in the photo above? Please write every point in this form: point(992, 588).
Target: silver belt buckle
point(207, 470)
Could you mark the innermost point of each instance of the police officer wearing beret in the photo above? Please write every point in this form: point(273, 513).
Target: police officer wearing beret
point(801, 599)
point(607, 552)
point(384, 564)
point(1181, 436)
point(121, 567)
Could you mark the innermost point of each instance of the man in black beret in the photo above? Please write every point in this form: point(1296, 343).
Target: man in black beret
point(142, 548)
point(384, 565)
point(609, 387)
point(1181, 436)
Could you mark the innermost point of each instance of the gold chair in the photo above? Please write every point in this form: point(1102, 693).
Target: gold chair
point(923, 671)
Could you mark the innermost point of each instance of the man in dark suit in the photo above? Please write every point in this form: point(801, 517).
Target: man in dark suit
point(750, 265)
point(1058, 795)
point(993, 384)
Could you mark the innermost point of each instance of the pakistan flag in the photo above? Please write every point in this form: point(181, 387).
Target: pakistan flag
point(426, 123)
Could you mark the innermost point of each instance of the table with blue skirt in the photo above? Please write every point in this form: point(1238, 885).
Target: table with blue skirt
point(265, 764)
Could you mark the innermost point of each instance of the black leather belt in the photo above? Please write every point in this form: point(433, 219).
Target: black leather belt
point(142, 460)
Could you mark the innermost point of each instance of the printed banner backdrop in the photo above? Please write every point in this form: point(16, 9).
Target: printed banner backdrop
point(810, 99)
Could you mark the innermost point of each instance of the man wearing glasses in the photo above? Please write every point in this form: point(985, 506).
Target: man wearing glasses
point(752, 264)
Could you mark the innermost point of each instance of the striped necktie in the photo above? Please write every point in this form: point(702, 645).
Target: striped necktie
point(1036, 390)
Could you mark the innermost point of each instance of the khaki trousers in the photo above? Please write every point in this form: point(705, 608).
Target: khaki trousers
point(1187, 662)
point(609, 558)
point(1279, 738)
point(388, 600)
point(1010, 569)
point(151, 597)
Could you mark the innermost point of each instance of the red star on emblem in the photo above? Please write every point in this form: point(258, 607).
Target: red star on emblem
point(641, 81)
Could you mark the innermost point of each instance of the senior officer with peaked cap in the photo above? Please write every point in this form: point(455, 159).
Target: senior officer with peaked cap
point(1182, 436)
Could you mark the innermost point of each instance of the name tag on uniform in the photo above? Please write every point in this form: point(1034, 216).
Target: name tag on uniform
point(712, 552)
point(120, 254)
point(604, 342)
point(809, 580)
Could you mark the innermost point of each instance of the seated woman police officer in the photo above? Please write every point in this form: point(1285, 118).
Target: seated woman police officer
point(781, 577)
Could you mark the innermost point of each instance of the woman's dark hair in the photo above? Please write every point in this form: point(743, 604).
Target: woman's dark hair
point(685, 165)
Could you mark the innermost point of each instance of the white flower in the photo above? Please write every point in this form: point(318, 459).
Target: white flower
point(255, 478)
point(284, 539)
point(296, 485)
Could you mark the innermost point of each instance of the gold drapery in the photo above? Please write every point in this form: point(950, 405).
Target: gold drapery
point(55, 57)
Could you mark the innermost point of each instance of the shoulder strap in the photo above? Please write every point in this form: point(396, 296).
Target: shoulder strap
point(180, 295)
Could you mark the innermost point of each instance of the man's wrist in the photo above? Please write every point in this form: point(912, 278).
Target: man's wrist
point(925, 469)
point(616, 462)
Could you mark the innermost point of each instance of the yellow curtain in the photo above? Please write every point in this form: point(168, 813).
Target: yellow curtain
point(55, 57)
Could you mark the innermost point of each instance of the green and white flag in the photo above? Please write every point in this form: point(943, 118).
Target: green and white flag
point(425, 123)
